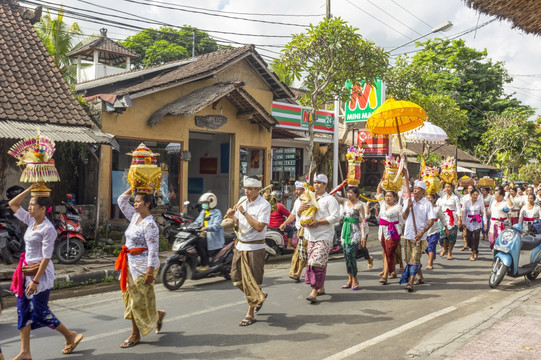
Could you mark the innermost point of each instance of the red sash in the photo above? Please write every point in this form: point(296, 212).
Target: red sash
point(17, 280)
point(501, 222)
point(451, 217)
point(391, 229)
point(122, 264)
point(475, 217)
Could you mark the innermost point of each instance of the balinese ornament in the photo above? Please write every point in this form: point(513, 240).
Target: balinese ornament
point(144, 174)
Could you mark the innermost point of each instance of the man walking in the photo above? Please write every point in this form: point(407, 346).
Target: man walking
point(298, 260)
point(320, 236)
point(252, 214)
point(415, 238)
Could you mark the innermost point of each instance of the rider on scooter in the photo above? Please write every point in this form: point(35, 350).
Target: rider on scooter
point(214, 238)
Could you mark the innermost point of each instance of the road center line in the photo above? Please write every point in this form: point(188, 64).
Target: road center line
point(385, 336)
point(179, 317)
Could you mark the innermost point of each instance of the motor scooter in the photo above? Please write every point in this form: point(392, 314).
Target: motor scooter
point(11, 240)
point(186, 259)
point(174, 221)
point(69, 246)
point(276, 242)
point(516, 254)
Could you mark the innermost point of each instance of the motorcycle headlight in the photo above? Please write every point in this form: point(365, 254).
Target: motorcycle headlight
point(70, 227)
point(507, 237)
point(176, 246)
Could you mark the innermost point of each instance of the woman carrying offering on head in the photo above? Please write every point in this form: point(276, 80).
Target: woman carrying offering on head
point(34, 276)
point(474, 216)
point(450, 205)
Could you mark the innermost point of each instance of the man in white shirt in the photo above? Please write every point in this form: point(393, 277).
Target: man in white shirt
point(320, 236)
point(415, 238)
point(252, 214)
point(298, 260)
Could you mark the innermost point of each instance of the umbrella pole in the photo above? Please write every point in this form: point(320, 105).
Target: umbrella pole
point(406, 177)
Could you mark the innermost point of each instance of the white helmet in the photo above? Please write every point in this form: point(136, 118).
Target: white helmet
point(277, 194)
point(209, 198)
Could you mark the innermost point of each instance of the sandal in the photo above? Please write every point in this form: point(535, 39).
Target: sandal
point(260, 305)
point(370, 262)
point(355, 287)
point(312, 299)
point(247, 321)
point(429, 267)
point(419, 282)
point(161, 315)
point(346, 286)
point(383, 281)
point(296, 278)
point(129, 343)
point(68, 349)
point(472, 258)
point(449, 257)
point(409, 288)
point(321, 292)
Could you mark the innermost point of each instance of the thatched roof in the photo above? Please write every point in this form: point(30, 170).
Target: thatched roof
point(524, 14)
point(201, 98)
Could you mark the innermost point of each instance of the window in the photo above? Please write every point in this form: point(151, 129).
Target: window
point(252, 162)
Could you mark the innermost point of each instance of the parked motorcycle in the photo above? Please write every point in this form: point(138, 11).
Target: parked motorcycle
point(70, 244)
point(516, 254)
point(174, 221)
point(11, 240)
point(186, 259)
point(276, 242)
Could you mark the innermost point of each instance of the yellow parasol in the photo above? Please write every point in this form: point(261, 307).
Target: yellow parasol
point(395, 117)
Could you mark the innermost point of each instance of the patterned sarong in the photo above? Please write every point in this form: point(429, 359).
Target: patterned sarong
point(140, 303)
point(318, 256)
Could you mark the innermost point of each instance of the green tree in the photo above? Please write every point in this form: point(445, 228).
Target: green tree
point(326, 56)
point(59, 38)
point(284, 77)
point(530, 172)
point(459, 74)
point(508, 137)
point(157, 46)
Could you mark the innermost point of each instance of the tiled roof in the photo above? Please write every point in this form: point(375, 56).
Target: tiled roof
point(111, 53)
point(31, 87)
point(208, 64)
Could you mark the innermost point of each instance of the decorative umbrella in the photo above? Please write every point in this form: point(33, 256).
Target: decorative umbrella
point(395, 117)
point(428, 133)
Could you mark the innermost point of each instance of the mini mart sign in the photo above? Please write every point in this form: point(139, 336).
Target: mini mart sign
point(295, 117)
point(364, 100)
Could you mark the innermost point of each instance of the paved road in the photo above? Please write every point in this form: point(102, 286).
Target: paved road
point(377, 322)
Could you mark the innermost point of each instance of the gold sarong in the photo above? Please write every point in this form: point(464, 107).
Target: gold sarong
point(140, 304)
point(247, 274)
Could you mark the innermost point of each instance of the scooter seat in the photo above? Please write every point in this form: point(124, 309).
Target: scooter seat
point(529, 242)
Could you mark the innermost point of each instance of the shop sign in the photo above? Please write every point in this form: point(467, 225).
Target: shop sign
point(363, 101)
point(296, 117)
point(373, 146)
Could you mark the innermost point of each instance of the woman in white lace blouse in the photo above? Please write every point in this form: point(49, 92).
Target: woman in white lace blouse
point(139, 263)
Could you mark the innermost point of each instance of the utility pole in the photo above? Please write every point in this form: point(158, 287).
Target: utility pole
point(328, 9)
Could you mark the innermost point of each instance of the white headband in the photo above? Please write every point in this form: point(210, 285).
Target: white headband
point(420, 184)
point(299, 185)
point(252, 183)
point(321, 178)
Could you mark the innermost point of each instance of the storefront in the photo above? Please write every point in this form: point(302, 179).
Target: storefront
point(289, 141)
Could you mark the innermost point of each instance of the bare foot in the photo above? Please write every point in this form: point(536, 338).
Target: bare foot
point(23, 356)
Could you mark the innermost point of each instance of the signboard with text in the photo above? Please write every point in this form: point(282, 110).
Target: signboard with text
point(296, 117)
point(363, 101)
point(373, 146)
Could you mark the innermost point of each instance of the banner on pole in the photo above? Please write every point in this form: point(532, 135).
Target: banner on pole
point(373, 146)
point(296, 117)
point(364, 100)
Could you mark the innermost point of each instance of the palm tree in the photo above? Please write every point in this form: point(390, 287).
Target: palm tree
point(59, 38)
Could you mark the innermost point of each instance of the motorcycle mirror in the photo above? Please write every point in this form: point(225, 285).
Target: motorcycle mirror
point(186, 203)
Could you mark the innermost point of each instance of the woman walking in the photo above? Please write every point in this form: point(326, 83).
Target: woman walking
point(390, 219)
point(139, 263)
point(434, 232)
point(497, 216)
point(34, 276)
point(466, 197)
point(487, 200)
point(515, 203)
point(529, 213)
point(450, 205)
point(474, 216)
point(352, 234)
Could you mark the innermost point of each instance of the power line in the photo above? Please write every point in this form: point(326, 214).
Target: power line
point(412, 14)
point(217, 15)
point(412, 29)
point(237, 13)
point(375, 18)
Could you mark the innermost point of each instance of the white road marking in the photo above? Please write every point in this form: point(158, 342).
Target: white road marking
point(385, 336)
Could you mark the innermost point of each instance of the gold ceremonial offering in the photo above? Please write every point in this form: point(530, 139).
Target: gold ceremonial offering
point(392, 175)
point(486, 181)
point(144, 174)
point(431, 179)
point(448, 171)
point(36, 154)
point(308, 215)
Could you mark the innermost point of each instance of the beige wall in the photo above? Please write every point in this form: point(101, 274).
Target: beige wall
point(132, 124)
